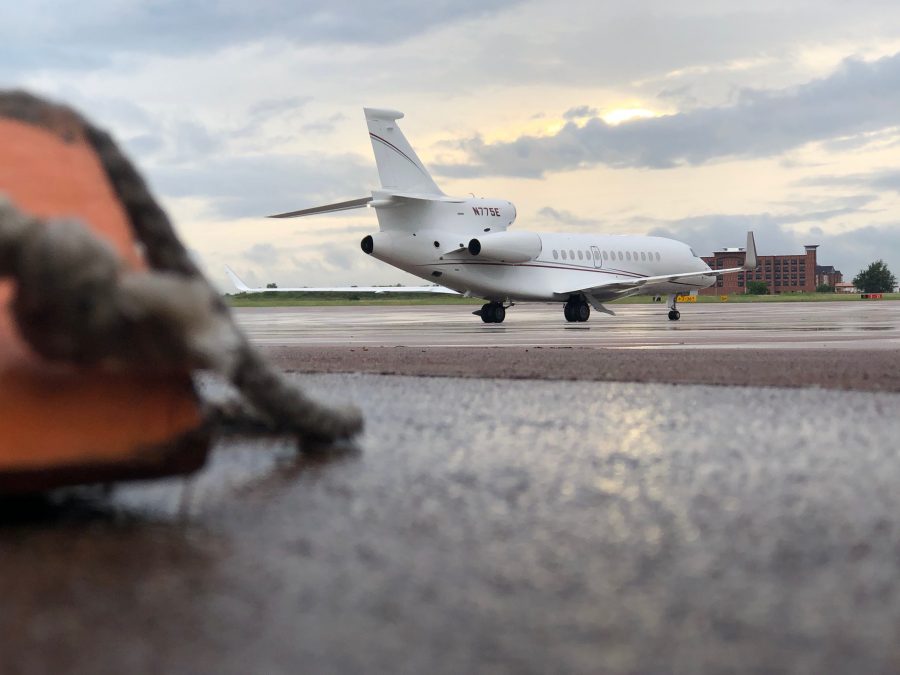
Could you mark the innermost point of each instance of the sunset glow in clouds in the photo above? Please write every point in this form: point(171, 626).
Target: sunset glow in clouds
point(694, 120)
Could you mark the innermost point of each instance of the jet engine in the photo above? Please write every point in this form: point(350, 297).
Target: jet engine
point(513, 247)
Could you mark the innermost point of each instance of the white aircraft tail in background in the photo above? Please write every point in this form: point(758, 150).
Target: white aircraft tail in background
point(464, 244)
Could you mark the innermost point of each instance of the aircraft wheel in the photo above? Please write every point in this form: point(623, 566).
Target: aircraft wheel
point(569, 312)
point(674, 315)
point(582, 311)
point(499, 313)
point(487, 313)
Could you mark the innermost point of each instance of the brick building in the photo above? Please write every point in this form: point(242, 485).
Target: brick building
point(826, 274)
point(781, 273)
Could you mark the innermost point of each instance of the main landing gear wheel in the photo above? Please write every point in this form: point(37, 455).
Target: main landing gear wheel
point(674, 315)
point(577, 309)
point(492, 312)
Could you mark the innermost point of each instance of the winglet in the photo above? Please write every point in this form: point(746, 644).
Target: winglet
point(750, 262)
point(236, 280)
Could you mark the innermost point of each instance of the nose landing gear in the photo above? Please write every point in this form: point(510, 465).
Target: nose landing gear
point(674, 314)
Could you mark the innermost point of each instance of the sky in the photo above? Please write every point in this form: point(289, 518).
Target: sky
point(697, 120)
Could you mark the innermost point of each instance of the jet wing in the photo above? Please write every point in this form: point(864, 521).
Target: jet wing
point(617, 287)
point(244, 288)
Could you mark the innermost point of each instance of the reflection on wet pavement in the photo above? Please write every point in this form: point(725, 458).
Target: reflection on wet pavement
point(489, 525)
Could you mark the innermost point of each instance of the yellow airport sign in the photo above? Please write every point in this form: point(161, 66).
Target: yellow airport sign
point(723, 298)
point(686, 298)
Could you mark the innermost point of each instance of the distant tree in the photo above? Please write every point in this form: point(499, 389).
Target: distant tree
point(757, 288)
point(272, 285)
point(824, 288)
point(876, 278)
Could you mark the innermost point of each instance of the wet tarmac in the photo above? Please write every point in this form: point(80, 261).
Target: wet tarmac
point(788, 325)
point(834, 345)
point(489, 526)
point(500, 525)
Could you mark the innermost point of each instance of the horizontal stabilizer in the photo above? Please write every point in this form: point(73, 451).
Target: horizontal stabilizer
point(244, 288)
point(328, 208)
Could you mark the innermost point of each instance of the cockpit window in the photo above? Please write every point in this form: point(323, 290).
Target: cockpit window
point(694, 253)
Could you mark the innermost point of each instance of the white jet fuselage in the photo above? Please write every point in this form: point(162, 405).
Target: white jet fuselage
point(463, 245)
point(541, 266)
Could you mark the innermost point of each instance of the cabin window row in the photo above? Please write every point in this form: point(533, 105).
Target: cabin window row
point(572, 254)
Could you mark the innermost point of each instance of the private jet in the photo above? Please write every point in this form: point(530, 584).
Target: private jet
point(464, 245)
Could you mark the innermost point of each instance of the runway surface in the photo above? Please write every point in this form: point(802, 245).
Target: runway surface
point(510, 520)
point(841, 325)
point(834, 345)
point(490, 526)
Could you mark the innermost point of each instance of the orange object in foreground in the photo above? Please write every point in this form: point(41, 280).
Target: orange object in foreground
point(61, 424)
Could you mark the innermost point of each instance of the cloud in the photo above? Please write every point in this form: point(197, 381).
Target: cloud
point(858, 97)
point(267, 108)
point(564, 217)
point(323, 126)
point(887, 180)
point(257, 185)
point(262, 254)
point(51, 34)
point(848, 251)
point(580, 112)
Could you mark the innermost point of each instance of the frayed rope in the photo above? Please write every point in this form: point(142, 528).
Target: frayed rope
point(76, 303)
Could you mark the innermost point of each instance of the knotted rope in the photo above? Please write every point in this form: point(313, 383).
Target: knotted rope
point(75, 302)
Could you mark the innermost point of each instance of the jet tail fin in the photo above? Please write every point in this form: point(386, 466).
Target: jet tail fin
point(399, 168)
point(750, 261)
point(236, 280)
